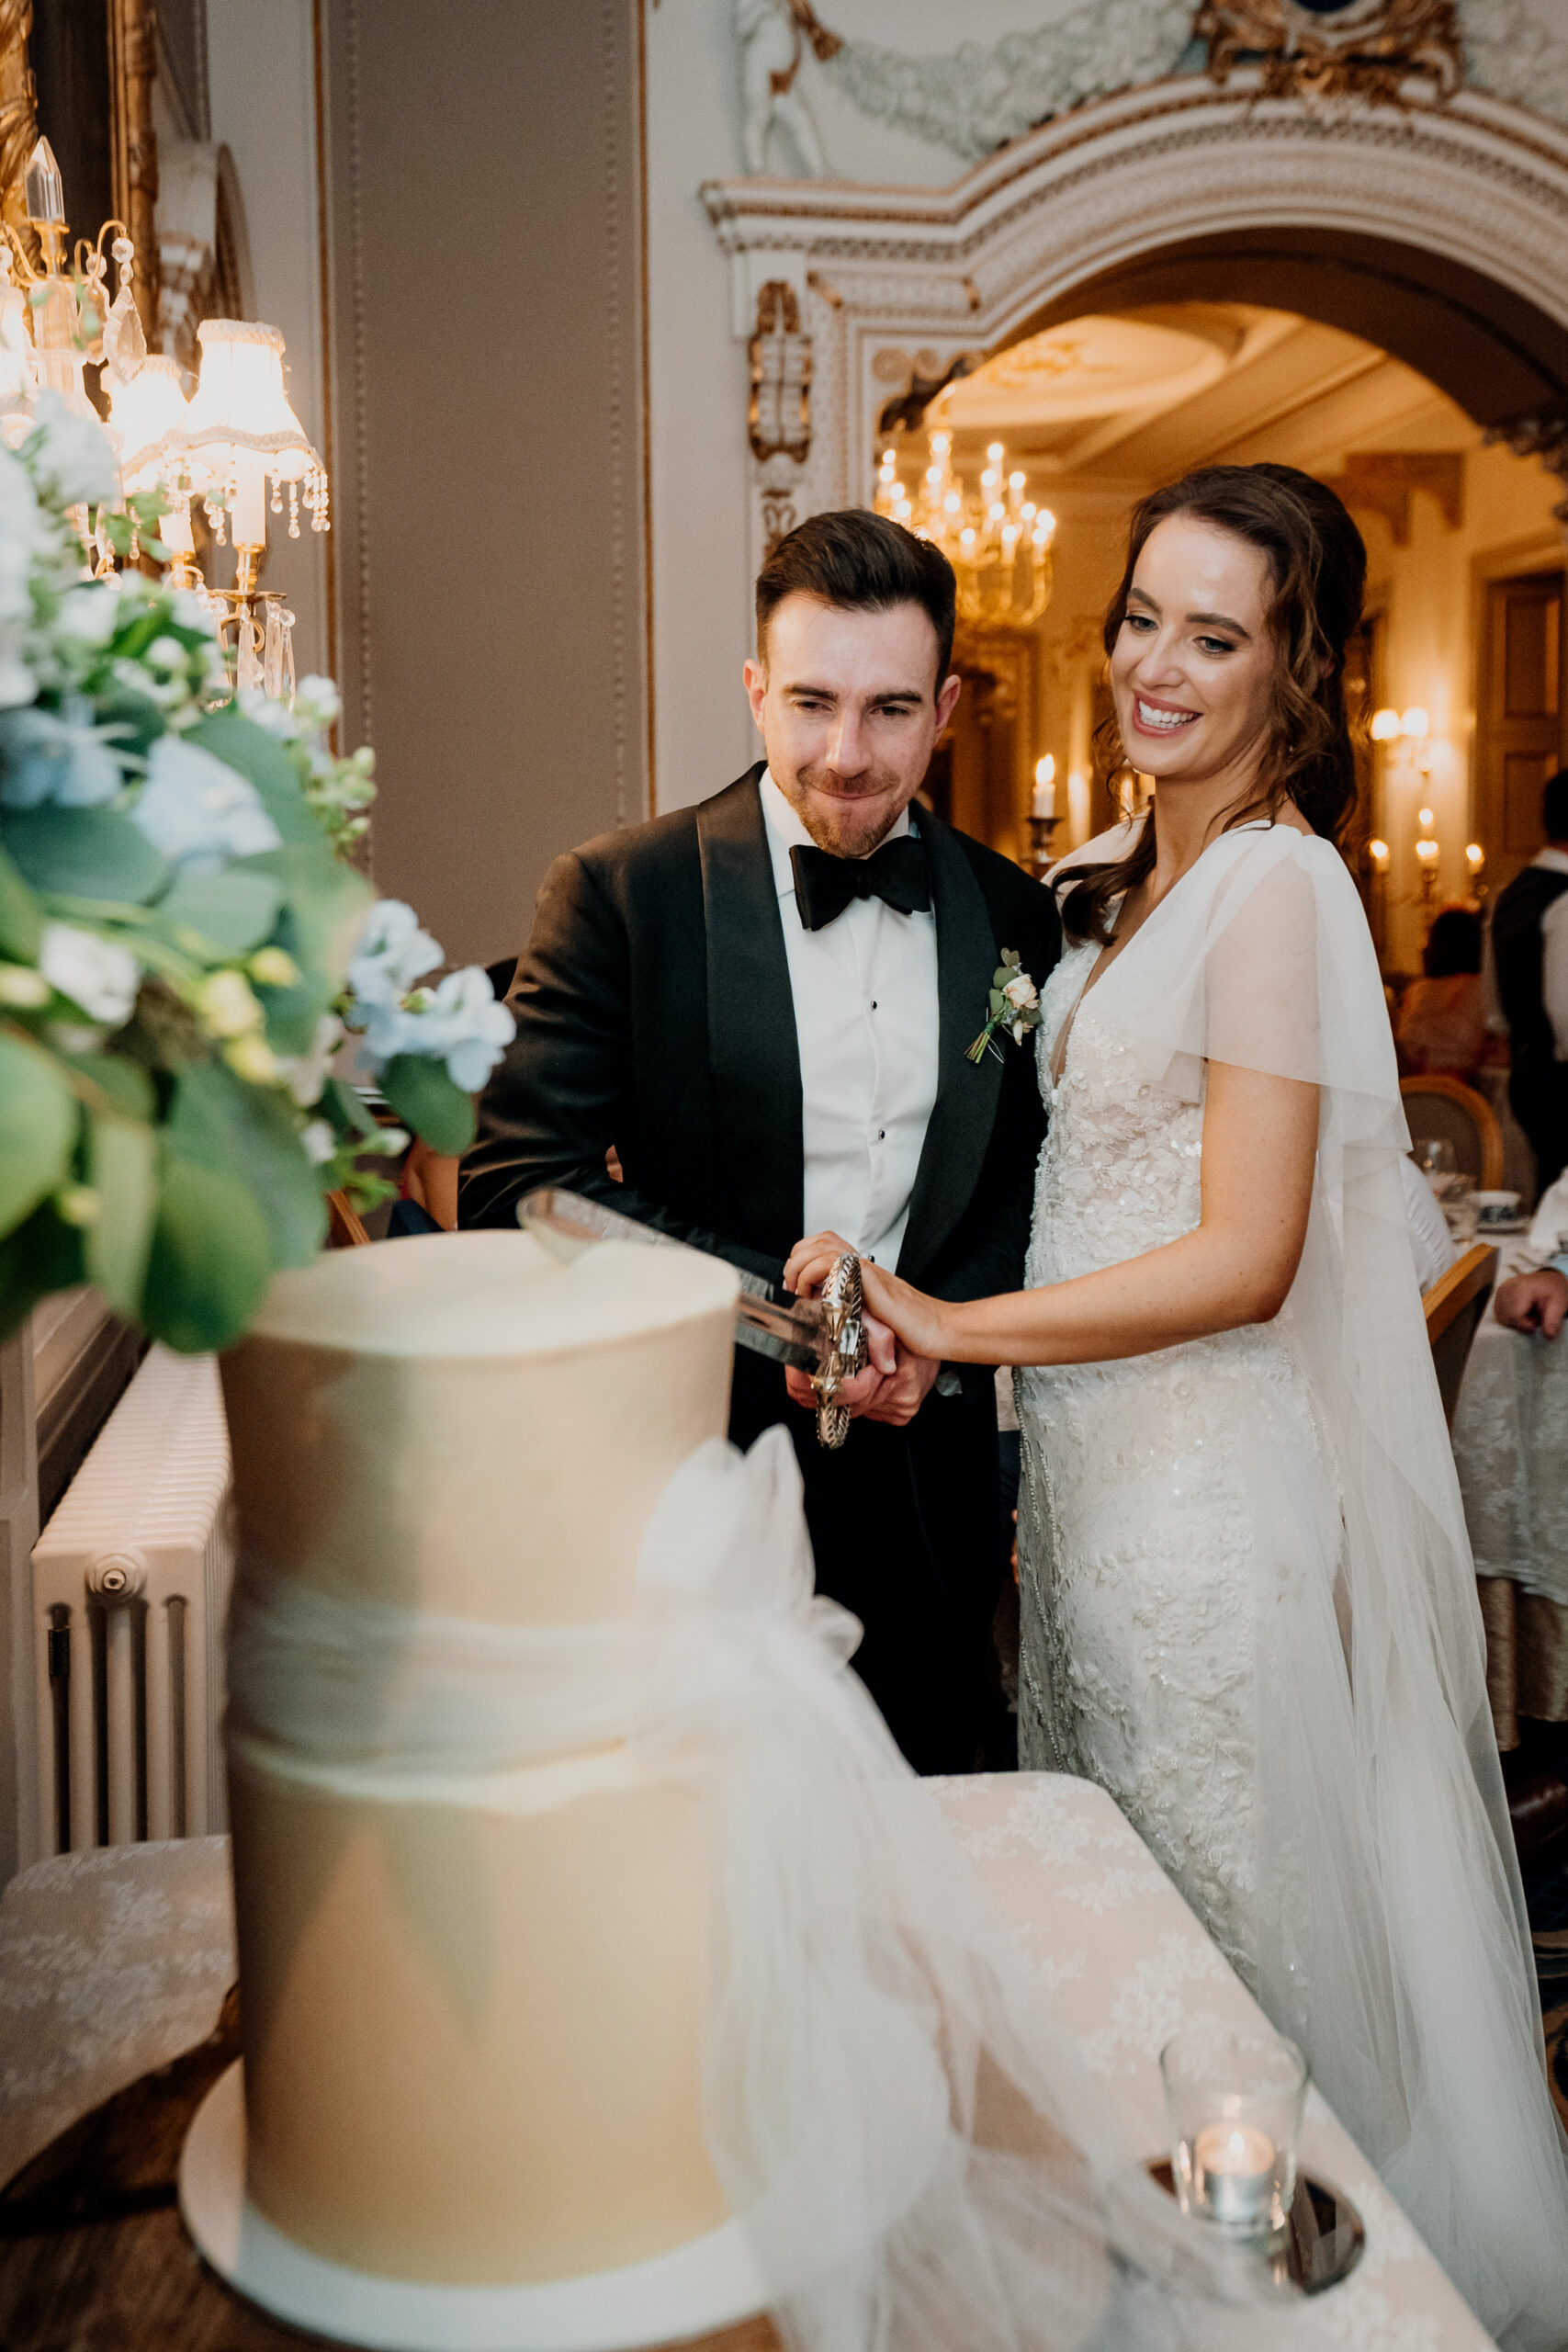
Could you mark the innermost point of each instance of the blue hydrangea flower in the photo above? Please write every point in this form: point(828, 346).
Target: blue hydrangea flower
point(198, 813)
point(62, 761)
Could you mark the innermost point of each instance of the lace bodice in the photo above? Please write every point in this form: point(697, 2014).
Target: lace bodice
point(1136, 1526)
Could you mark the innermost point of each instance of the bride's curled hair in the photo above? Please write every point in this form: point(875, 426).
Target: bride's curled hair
point(1317, 567)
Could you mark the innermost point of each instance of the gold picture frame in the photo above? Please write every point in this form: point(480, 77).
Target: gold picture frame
point(131, 35)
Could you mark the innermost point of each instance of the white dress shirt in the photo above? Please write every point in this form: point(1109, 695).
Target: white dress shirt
point(1554, 953)
point(866, 1017)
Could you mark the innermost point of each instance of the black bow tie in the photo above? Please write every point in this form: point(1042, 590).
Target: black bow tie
point(897, 873)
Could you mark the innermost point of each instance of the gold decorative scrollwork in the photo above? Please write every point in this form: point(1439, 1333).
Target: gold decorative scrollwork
point(19, 116)
point(1368, 49)
point(778, 416)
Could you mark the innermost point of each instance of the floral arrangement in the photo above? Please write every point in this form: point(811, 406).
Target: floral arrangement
point(1012, 1005)
point(183, 942)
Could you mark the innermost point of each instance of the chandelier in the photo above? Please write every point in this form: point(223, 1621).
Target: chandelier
point(996, 539)
point(236, 433)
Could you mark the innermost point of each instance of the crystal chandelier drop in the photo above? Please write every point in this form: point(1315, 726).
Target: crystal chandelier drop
point(996, 539)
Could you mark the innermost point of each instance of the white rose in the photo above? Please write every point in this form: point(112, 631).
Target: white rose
point(94, 973)
point(1021, 993)
point(73, 453)
point(305, 1074)
point(318, 1141)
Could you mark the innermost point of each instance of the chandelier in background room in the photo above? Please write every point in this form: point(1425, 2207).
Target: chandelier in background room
point(996, 538)
point(235, 435)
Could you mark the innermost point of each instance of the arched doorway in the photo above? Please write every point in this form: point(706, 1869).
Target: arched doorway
point(1439, 236)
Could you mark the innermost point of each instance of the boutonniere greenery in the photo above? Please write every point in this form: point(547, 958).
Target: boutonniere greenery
point(1013, 1006)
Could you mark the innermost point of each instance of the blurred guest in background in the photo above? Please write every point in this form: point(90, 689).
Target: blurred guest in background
point(1441, 1028)
point(1530, 952)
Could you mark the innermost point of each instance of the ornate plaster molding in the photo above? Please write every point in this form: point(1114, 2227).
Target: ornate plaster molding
point(894, 283)
point(1540, 432)
point(974, 99)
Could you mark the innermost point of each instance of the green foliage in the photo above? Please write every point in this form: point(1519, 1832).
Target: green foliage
point(210, 1259)
point(21, 921)
point(43, 1254)
point(218, 1122)
point(241, 745)
point(421, 1094)
point(37, 1132)
point(230, 913)
point(122, 1169)
point(82, 853)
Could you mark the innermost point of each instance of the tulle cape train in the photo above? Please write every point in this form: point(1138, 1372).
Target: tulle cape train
point(1393, 1941)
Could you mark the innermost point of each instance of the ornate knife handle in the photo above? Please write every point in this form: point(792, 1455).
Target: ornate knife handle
point(842, 1302)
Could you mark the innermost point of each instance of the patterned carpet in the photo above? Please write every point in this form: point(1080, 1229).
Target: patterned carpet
point(1546, 1893)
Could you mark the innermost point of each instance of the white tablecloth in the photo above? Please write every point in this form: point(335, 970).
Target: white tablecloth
point(1510, 1442)
point(112, 1963)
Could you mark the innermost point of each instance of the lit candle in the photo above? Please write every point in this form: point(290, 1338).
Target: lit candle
point(1046, 787)
point(1235, 2168)
point(249, 522)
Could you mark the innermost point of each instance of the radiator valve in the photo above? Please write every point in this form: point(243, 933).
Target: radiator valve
point(118, 1576)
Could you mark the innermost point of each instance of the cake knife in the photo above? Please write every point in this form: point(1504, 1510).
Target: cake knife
point(823, 1336)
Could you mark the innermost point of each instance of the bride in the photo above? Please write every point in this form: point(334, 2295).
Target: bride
point(1248, 1603)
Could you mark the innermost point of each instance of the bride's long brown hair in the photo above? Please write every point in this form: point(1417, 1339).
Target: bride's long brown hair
point(1317, 565)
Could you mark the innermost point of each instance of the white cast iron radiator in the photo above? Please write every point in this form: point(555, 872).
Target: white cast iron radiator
point(131, 1582)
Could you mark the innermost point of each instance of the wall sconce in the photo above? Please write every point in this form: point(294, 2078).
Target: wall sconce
point(1411, 729)
point(1475, 858)
point(1428, 854)
point(1380, 854)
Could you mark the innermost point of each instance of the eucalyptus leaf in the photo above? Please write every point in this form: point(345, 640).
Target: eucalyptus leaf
point(83, 854)
point(37, 1132)
point(339, 1101)
point(126, 1085)
point(21, 922)
point(326, 904)
point(233, 910)
point(43, 1254)
point(209, 1261)
point(1000, 976)
point(122, 1168)
point(248, 1132)
point(425, 1100)
point(241, 744)
point(136, 720)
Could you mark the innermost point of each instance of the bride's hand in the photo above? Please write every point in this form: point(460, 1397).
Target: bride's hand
point(917, 1320)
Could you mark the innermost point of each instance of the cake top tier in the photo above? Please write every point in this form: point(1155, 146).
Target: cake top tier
point(492, 1293)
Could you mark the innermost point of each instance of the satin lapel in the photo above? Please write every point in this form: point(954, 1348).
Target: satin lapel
point(967, 1092)
point(753, 1051)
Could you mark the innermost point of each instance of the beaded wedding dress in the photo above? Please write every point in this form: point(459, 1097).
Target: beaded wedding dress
point(1247, 1599)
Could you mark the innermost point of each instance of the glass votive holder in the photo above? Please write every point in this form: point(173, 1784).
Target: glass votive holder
point(1235, 2102)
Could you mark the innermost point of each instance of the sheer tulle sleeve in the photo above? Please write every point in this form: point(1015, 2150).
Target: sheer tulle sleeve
point(1399, 1950)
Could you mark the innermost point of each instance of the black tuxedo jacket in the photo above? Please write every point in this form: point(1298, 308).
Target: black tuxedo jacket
point(655, 1014)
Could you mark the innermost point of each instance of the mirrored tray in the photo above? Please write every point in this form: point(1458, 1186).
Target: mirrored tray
point(1323, 2240)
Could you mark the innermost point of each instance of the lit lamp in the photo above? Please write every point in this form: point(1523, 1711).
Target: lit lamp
point(1043, 818)
point(147, 416)
point(240, 430)
point(1410, 729)
point(1475, 858)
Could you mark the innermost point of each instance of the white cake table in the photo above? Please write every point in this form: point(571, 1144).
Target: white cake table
point(112, 1963)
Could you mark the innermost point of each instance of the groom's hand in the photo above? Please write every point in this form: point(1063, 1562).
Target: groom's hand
point(893, 1388)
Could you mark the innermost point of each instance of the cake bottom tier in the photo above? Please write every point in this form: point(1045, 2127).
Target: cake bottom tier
point(473, 2037)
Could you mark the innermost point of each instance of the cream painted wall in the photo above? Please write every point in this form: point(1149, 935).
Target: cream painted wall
point(262, 82)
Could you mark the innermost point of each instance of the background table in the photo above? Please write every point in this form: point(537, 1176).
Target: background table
point(111, 1962)
point(1510, 1440)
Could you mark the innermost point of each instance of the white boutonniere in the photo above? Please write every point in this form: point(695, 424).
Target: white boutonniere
point(1013, 1003)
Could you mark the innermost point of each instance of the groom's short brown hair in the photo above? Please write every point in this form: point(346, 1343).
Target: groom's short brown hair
point(864, 562)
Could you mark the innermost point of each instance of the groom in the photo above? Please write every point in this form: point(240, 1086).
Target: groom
point(762, 1004)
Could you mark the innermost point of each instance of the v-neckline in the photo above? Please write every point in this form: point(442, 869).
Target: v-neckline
point(1058, 1063)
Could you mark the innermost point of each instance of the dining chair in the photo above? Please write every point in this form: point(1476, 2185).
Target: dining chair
point(1450, 1112)
point(346, 1228)
point(1453, 1308)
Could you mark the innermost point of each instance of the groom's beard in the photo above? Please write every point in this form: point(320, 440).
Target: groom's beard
point(848, 819)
